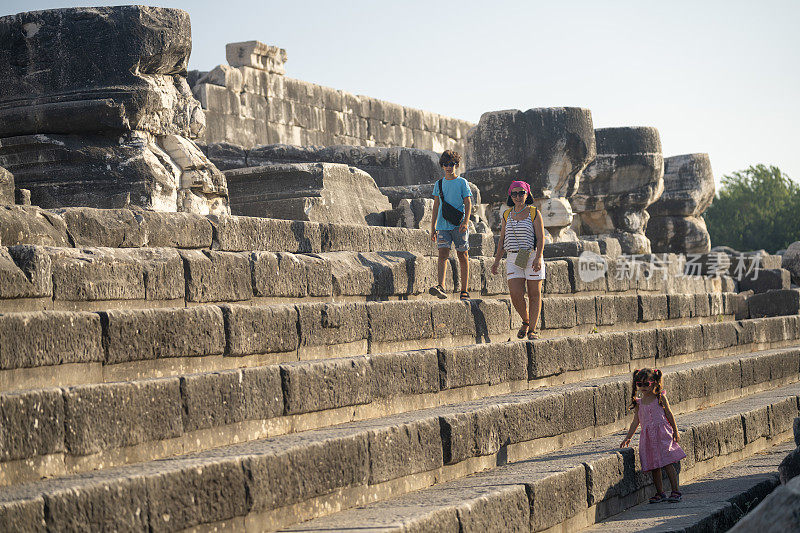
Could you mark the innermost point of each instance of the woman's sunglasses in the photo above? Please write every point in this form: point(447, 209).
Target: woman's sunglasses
point(518, 193)
point(448, 165)
point(643, 383)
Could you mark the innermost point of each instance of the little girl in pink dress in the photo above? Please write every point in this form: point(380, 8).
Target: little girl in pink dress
point(658, 441)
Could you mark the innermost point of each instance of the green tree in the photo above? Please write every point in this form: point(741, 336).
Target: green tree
point(754, 209)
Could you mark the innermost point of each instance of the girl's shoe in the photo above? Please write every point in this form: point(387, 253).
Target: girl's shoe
point(675, 496)
point(658, 498)
point(522, 330)
point(533, 335)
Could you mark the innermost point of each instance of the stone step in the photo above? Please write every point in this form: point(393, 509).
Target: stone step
point(201, 410)
point(85, 227)
point(274, 483)
point(36, 277)
point(714, 502)
point(569, 488)
point(59, 348)
point(371, 458)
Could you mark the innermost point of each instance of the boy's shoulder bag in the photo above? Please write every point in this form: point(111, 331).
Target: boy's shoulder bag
point(449, 213)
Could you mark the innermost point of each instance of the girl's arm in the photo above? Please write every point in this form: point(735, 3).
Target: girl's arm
point(635, 424)
point(500, 250)
point(671, 419)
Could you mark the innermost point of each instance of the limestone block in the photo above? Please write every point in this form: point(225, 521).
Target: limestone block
point(290, 275)
point(774, 303)
point(299, 471)
point(416, 213)
point(324, 324)
point(688, 186)
point(548, 147)
point(327, 384)
point(678, 234)
point(32, 424)
point(23, 514)
point(558, 313)
point(318, 192)
point(611, 402)
point(781, 415)
point(569, 249)
point(181, 497)
point(558, 279)
point(218, 99)
point(719, 335)
point(25, 272)
point(114, 415)
point(790, 261)
point(679, 340)
point(644, 344)
point(480, 364)
point(174, 230)
point(141, 334)
point(31, 225)
point(402, 373)
point(765, 280)
point(413, 445)
point(400, 321)
point(114, 503)
point(453, 319)
point(224, 76)
point(756, 422)
point(257, 55)
point(227, 397)
point(653, 307)
point(235, 234)
point(6, 187)
point(260, 330)
point(392, 239)
point(213, 276)
point(49, 338)
point(567, 487)
point(115, 228)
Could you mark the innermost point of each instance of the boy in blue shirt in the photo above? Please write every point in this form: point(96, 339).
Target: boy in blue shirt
point(455, 191)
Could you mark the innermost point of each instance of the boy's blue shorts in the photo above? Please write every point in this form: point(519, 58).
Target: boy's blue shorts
point(447, 237)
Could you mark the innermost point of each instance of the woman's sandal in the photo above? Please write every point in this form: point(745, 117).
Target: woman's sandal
point(675, 496)
point(533, 335)
point(658, 498)
point(464, 296)
point(522, 330)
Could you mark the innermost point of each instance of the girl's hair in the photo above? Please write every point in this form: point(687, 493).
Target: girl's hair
point(650, 374)
point(528, 200)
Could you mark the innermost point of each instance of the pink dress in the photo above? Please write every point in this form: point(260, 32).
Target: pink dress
point(656, 447)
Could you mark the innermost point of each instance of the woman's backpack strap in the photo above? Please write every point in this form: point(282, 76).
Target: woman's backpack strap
point(533, 214)
point(506, 213)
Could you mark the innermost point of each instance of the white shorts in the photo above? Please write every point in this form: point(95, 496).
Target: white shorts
point(513, 271)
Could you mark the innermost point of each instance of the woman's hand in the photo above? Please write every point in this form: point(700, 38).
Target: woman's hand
point(433, 235)
point(495, 267)
point(625, 443)
point(537, 264)
point(463, 227)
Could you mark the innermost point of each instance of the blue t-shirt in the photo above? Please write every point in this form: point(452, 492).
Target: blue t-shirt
point(455, 191)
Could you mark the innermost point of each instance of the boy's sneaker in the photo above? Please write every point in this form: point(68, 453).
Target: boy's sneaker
point(438, 291)
point(675, 497)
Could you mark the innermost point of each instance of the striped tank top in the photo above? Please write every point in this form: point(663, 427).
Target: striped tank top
point(519, 235)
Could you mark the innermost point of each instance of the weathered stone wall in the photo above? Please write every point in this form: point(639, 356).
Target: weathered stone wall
point(251, 102)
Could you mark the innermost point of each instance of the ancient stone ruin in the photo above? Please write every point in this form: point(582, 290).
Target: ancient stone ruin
point(676, 224)
point(95, 110)
point(616, 188)
point(171, 371)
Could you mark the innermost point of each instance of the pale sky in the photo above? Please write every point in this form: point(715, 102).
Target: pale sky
point(713, 76)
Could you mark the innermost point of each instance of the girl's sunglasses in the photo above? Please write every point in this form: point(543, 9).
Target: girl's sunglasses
point(518, 193)
point(643, 383)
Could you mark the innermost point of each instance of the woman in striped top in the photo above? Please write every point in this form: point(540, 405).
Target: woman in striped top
point(522, 237)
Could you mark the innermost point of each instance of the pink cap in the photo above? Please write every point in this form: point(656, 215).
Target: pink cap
point(522, 184)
